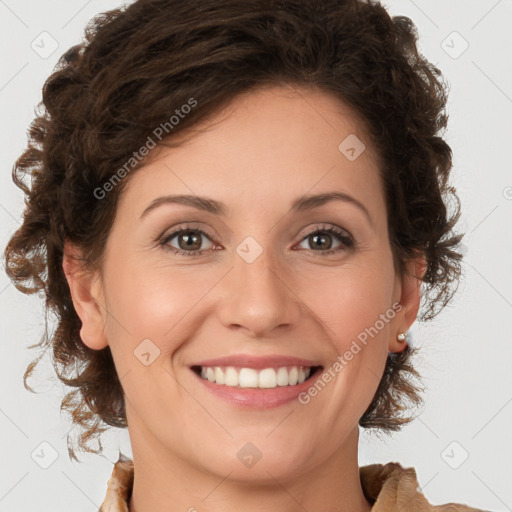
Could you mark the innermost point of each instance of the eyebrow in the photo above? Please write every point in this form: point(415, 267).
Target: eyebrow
point(218, 208)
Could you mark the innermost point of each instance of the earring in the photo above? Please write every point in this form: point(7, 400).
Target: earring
point(401, 336)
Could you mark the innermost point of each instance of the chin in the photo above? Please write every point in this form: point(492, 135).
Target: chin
point(257, 459)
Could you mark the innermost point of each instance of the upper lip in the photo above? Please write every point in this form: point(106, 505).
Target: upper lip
point(257, 362)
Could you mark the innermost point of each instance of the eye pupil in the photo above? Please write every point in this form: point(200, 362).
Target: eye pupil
point(190, 241)
point(191, 238)
point(317, 237)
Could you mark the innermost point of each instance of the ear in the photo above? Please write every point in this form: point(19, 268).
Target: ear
point(87, 295)
point(409, 299)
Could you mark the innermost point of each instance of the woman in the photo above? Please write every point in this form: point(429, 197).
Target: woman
point(235, 210)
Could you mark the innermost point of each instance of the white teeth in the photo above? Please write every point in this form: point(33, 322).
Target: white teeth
point(282, 377)
point(231, 377)
point(251, 378)
point(268, 378)
point(248, 378)
point(219, 375)
point(293, 376)
point(210, 374)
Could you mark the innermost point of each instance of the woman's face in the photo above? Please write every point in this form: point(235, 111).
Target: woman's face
point(252, 281)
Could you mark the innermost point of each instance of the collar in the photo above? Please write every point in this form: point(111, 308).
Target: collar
point(388, 487)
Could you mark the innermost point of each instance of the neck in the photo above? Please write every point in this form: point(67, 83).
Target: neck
point(164, 481)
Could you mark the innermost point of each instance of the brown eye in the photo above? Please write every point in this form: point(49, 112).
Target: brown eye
point(189, 241)
point(320, 240)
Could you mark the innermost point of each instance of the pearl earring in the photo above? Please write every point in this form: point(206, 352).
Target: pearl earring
point(401, 336)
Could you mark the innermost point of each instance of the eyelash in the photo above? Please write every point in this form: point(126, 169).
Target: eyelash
point(347, 241)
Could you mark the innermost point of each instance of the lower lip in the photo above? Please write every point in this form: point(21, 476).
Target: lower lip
point(258, 398)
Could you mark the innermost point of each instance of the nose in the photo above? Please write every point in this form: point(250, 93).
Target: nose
point(258, 297)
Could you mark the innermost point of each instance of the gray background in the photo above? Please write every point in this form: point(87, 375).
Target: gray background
point(460, 443)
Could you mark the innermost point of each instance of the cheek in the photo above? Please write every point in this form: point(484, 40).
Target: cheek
point(351, 299)
point(151, 317)
point(355, 307)
point(152, 303)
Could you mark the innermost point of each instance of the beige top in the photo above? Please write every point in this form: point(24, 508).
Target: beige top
point(388, 487)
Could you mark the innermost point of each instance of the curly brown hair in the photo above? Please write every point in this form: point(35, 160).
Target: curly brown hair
point(137, 64)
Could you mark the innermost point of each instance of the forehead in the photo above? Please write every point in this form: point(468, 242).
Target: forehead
point(276, 142)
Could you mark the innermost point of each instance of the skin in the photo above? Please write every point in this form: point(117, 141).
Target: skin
point(268, 148)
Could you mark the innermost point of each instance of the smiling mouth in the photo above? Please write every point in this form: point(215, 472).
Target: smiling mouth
point(265, 378)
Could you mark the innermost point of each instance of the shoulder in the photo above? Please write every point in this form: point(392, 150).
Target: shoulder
point(119, 486)
point(391, 487)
